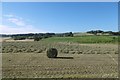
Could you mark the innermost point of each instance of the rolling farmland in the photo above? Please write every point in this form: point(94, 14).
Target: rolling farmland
point(24, 59)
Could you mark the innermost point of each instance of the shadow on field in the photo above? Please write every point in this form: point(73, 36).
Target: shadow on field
point(64, 58)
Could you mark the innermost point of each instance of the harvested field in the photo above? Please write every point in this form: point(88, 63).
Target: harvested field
point(27, 59)
point(63, 47)
point(31, 65)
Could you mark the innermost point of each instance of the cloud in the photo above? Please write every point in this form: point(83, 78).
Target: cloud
point(19, 30)
point(16, 21)
point(20, 26)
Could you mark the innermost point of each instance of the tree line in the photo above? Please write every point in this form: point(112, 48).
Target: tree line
point(96, 32)
point(38, 36)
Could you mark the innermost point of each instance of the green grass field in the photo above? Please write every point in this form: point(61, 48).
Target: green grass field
point(84, 39)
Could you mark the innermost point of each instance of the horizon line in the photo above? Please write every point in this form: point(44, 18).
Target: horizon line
point(51, 32)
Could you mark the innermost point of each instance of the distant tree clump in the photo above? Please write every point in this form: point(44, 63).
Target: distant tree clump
point(70, 34)
point(19, 38)
point(95, 32)
point(36, 38)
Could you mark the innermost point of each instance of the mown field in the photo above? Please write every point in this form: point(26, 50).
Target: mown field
point(31, 65)
point(79, 57)
point(63, 44)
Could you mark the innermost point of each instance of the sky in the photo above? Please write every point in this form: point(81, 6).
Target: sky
point(58, 17)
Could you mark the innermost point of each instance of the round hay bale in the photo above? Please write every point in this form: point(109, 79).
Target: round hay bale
point(52, 53)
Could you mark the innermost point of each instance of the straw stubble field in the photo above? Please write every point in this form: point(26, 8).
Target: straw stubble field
point(66, 66)
point(29, 60)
